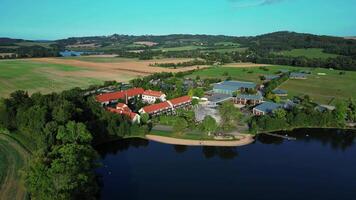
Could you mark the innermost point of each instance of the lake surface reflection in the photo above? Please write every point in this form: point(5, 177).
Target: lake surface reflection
point(320, 164)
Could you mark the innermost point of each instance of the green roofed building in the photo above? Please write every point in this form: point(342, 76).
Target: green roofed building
point(229, 87)
point(266, 108)
point(280, 92)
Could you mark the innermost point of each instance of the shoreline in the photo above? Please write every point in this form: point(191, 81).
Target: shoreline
point(245, 139)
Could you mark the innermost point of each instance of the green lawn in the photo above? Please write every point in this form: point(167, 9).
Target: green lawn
point(39, 77)
point(322, 89)
point(12, 159)
point(309, 53)
point(190, 135)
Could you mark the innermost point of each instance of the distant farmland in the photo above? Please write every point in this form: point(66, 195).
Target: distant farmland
point(308, 53)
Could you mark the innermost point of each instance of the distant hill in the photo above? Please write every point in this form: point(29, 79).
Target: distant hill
point(283, 47)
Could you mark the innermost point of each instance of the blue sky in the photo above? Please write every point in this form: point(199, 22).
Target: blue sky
point(54, 19)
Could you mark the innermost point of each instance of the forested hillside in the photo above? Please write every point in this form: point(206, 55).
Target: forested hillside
point(284, 48)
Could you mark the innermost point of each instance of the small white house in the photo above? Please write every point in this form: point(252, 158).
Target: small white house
point(150, 96)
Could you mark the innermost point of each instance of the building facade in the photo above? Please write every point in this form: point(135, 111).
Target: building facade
point(150, 96)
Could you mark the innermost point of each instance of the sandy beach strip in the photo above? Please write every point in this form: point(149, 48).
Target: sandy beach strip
point(245, 139)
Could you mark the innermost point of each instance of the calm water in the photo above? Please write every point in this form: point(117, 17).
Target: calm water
point(320, 164)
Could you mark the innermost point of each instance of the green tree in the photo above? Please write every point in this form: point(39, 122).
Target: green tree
point(144, 118)
point(74, 133)
point(340, 113)
point(63, 112)
point(280, 113)
point(180, 125)
point(208, 125)
point(229, 115)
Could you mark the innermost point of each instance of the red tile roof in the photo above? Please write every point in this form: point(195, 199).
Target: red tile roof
point(180, 100)
point(156, 107)
point(153, 93)
point(130, 114)
point(123, 107)
point(119, 95)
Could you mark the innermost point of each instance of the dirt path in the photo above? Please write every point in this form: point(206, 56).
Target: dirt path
point(16, 156)
point(244, 139)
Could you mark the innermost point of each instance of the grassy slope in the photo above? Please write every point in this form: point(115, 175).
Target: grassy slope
point(12, 158)
point(321, 88)
point(33, 77)
point(309, 53)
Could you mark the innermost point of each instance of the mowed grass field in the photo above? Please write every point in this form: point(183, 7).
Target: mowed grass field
point(322, 89)
point(12, 159)
point(309, 53)
point(41, 77)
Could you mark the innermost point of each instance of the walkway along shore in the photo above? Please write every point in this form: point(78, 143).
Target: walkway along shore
point(244, 139)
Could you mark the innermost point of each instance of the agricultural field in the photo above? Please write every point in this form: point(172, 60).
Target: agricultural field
point(227, 49)
point(183, 48)
point(309, 53)
point(12, 159)
point(101, 59)
point(56, 74)
point(41, 77)
point(322, 89)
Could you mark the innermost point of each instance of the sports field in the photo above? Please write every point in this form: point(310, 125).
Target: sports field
point(309, 53)
point(322, 89)
point(12, 158)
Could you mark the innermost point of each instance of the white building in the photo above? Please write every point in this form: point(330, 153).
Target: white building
point(150, 96)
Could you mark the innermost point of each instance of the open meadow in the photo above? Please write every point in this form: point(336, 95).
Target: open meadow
point(321, 88)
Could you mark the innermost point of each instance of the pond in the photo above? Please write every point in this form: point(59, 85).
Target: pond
point(320, 164)
point(68, 53)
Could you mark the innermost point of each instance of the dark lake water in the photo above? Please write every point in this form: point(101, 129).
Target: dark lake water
point(320, 164)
